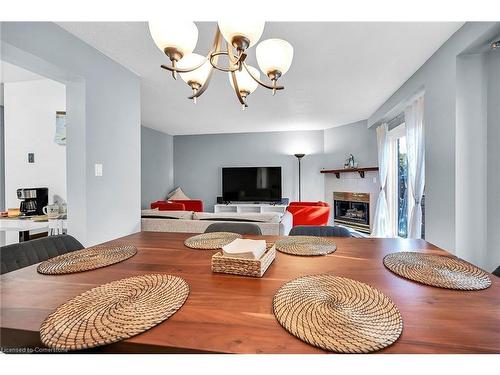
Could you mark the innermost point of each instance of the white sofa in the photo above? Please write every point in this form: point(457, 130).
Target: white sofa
point(196, 222)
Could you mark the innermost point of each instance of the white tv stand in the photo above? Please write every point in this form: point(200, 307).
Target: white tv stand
point(249, 208)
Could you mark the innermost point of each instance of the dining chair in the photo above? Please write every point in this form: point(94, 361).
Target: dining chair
point(497, 272)
point(320, 231)
point(24, 254)
point(241, 228)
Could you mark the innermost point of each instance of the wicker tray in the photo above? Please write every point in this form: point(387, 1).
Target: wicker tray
point(337, 314)
point(306, 245)
point(437, 270)
point(86, 259)
point(211, 241)
point(244, 267)
point(114, 311)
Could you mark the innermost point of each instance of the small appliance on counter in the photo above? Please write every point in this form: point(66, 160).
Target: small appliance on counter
point(33, 200)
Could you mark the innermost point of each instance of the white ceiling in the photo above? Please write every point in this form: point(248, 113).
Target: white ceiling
point(341, 73)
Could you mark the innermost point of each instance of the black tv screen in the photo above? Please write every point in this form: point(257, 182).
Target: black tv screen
point(256, 184)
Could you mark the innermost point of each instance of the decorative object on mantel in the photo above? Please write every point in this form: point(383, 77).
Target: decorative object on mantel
point(361, 171)
point(299, 158)
point(86, 259)
point(437, 270)
point(178, 40)
point(115, 311)
point(337, 314)
point(244, 267)
point(306, 245)
point(211, 241)
point(350, 163)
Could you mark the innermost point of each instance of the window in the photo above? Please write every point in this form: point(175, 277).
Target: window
point(402, 192)
point(398, 188)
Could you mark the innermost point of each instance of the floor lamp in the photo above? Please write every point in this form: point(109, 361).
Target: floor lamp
point(299, 157)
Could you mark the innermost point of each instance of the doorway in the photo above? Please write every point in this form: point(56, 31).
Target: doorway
point(34, 143)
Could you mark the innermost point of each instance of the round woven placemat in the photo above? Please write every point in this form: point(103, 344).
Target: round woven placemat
point(114, 311)
point(86, 259)
point(437, 270)
point(211, 241)
point(337, 314)
point(306, 245)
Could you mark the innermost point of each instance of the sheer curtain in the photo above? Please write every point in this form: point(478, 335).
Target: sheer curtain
point(414, 118)
point(382, 225)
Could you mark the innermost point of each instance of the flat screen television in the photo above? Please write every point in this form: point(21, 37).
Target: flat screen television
point(251, 184)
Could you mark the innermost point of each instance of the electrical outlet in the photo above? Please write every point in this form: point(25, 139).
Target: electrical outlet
point(98, 170)
point(31, 157)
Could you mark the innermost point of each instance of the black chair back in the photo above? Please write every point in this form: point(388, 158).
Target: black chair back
point(24, 254)
point(320, 231)
point(241, 228)
point(497, 272)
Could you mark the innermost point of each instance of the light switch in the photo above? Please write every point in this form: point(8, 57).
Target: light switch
point(98, 170)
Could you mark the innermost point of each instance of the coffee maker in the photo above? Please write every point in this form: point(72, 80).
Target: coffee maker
point(33, 200)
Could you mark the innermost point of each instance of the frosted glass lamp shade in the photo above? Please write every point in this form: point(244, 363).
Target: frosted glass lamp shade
point(234, 30)
point(176, 36)
point(274, 55)
point(246, 83)
point(198, 76)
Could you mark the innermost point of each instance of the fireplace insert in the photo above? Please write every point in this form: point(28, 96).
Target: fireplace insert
point(352, 210)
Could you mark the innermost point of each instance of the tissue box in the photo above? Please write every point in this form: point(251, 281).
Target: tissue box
point(244, 248)
point(244, 267)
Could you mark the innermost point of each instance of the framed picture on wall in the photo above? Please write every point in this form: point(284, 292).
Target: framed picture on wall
point(60, 135)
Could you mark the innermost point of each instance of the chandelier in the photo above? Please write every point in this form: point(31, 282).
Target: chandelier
point(232, 39)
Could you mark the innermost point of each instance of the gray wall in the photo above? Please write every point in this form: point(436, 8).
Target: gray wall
point(2, 153)
point(493, 155)
point(470, 162)
point(2, 158)
point(438, 78)
point(352, 138)
point(198, 160)
point(103, 106)
point(157, 165)
point(2, 163)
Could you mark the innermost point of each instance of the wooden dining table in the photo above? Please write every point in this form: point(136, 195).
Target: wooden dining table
point(234, 314)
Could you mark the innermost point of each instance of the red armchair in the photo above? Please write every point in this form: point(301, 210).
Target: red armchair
point(309, 213)
point(179, 205)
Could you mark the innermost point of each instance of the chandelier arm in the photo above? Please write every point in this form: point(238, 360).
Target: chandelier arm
point(181, 70)
point(204, 87)
point(216, 46)
point(237, 90)
point(215, 49)
point(215, 56)
point(231, 56)
point(260, 82)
